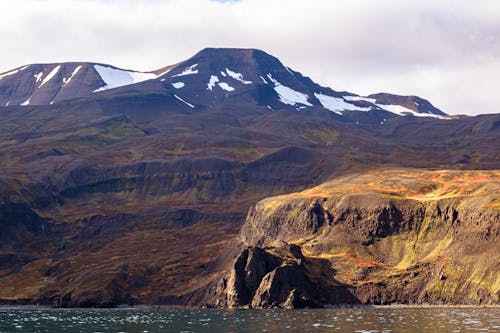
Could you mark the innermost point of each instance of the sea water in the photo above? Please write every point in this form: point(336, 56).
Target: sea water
point(360, 320)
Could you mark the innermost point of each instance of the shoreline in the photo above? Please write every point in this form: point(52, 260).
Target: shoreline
point(327, 307)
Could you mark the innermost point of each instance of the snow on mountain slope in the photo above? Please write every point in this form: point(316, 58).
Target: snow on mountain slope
point(225, 86)
point(287, 95)
point(188, 71)
point(236, 76)
point(75, 71)
point(114, 77)
point(52, 73)
point(178, 85)
point(211, 83)
point(403, 111)
point(44, 84)
point(338, 104)
point(208, 79)
point(215, 75)
point(412, 105)
point(12, 72)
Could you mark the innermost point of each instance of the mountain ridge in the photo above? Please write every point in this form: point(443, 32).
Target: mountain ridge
point(212, 75)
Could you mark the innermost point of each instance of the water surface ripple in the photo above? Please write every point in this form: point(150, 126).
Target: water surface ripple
point(357, 320)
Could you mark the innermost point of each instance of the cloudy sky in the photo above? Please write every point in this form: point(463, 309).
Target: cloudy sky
point(447, 51)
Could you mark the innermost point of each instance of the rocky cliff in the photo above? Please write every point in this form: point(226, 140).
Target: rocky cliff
point(383, 237)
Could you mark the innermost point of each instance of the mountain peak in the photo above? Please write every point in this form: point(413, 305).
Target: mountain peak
point(217, 51)
point(234, 57)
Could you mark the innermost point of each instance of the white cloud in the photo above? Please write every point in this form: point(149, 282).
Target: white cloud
point(447, 51)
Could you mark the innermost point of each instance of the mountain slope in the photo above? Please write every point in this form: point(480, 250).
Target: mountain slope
point(43, 84)
point(210, 78)
point(134, 200)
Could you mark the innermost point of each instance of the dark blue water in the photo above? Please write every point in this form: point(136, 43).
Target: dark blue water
point(360, 320)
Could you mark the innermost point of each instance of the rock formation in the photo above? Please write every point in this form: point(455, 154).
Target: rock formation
point(393, 236)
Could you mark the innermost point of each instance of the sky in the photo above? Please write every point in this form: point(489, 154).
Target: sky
point(447, 51)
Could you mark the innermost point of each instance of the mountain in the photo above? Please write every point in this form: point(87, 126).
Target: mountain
point(151, 192)
point(44, 84)
point(210, 78)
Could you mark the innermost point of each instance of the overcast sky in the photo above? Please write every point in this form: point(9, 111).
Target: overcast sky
point(447, 51)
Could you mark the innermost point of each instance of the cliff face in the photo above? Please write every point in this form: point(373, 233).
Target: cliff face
point(394, 236)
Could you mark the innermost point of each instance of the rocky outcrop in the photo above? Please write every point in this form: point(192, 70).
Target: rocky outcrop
point(261, 279)
point(366, 215)
point(277, 277)
point(20, 225)
point(423, 244)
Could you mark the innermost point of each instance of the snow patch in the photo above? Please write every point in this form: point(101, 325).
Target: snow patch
point(75, 71)
point(223, 74)
point(38, 77)
point(263, 80)
point(7, 104)
point(211, 83)
point(178, 85)
point(289, 70)
point(292, 97)
point(114, 77)
point(140, 76)
point(270, 77)
point(11, 72)
point(188, 71)
point(403, 111)
point(394, 108)
point(226, 86)
point(287, 95)
point(52, 73)
point(237, 76)
point(359, 98)
point(214, 79)
point(26, 102)
point(337, 104)
point(183, 101)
